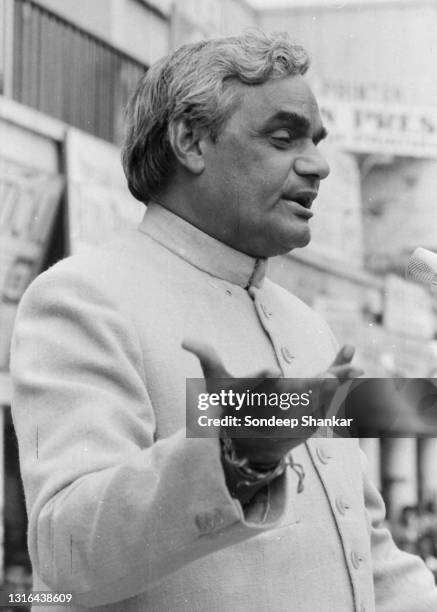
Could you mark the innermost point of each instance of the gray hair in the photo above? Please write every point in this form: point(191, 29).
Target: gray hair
point(193, 84)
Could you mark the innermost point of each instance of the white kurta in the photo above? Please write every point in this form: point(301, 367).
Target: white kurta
point(128, 514)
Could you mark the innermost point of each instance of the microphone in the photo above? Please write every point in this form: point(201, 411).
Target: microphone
point(422, 268)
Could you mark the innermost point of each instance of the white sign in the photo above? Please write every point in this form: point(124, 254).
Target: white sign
point(99, 202)
point(365, 127)
point(29, 199)
point(340, 89)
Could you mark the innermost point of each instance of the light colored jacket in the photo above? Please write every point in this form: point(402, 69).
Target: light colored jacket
point(127, 513)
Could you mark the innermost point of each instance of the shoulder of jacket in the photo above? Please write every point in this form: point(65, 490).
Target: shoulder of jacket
point(108, 268)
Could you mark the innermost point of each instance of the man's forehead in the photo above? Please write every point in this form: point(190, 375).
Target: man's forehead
point(290, 95)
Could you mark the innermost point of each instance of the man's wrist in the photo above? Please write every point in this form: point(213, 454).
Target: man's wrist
point(247, 450)
point(244, 478)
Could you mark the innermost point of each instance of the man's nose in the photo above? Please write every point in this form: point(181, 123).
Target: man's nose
point(311, 162)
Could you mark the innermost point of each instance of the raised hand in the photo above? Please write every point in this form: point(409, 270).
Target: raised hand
point(265, 445)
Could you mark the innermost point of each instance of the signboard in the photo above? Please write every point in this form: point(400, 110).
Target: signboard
point(341, 89)
point(29, 198)
point(371, 127)
point(99, 202)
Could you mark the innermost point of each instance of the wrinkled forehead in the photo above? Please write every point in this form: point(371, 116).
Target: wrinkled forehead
point(275, 98)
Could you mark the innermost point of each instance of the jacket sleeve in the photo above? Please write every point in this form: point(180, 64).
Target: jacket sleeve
point(402, 581)
point(111, 511)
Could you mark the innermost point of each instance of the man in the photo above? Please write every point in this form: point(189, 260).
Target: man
point(125, 511)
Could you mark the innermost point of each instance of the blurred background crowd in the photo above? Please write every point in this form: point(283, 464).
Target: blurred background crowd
point(66, 70)
point(415, 531)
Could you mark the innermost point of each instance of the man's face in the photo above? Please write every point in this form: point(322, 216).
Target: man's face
point(263, 173)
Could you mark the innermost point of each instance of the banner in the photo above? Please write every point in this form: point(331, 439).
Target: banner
point(372, 127)
point(29, 199)
point(99, 202)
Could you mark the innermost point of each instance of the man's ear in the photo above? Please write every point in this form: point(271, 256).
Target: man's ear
point(187, 144)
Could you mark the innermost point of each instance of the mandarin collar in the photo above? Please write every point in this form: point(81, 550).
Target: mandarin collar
point(200, 249)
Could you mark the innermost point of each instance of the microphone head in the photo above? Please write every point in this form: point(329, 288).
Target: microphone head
point(422, 268)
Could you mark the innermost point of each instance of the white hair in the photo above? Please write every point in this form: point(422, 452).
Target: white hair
point(195, 83)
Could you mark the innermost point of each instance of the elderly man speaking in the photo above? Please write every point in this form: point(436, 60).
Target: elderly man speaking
point(126, 512)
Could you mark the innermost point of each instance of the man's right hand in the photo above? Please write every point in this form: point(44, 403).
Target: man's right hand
point(271, 446)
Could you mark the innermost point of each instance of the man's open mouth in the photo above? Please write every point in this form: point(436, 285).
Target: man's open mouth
point(304, 199)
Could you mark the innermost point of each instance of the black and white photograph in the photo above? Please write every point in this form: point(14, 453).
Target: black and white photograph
point(218, 305)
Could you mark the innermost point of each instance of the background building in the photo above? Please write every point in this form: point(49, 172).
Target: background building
point(373, 73)
point(66, 70)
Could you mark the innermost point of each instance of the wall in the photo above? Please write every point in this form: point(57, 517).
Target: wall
point(129, 25)
point(94, 16)
point(140, 32)
point(134, 27)
point(236, 17)
point(398, 203)
point(385, 43)
point(193, 20)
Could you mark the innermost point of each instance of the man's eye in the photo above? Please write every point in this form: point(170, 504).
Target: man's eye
point(282, 136)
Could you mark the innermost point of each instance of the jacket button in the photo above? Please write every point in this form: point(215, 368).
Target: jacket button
point(322, 455)
point(341, 505)
point(288, 357)
point(205, 522)
point(356, 559)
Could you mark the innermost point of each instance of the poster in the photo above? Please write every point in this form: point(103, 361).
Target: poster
point(98, 200)
point(29, 199)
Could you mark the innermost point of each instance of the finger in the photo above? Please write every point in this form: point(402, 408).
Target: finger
point(329, 381)
point(345, 372)
point(210, 361)
point(263, 381)
point(344, 355)
point(266, 374)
